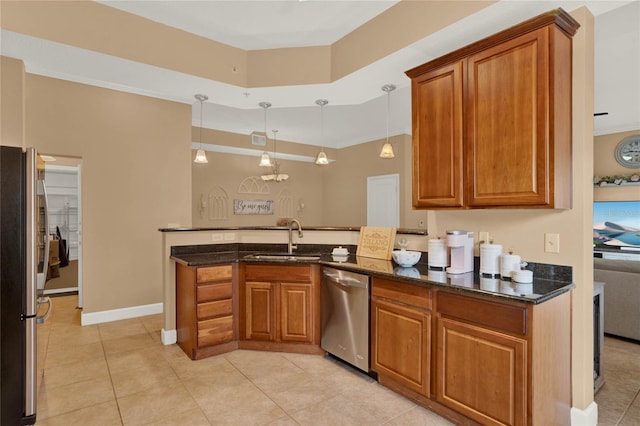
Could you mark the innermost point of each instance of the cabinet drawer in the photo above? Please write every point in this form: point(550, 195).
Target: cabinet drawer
point(205, 293)
point(278, 273)
point(499, 316)
point(215, 309)
point(214, 273)
point(215, 331)
point(407, 294)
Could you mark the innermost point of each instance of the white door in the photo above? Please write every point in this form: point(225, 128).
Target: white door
point(383, 200)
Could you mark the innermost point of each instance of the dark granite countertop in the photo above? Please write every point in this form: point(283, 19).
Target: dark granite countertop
point(549, 280)
point(407, 231)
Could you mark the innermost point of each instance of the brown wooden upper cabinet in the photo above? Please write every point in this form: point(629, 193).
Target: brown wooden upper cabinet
point(492, 120)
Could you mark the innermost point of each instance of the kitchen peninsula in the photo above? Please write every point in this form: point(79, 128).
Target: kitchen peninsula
point(446, 332)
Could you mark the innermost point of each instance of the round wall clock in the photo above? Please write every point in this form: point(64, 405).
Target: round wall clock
point(628, 152)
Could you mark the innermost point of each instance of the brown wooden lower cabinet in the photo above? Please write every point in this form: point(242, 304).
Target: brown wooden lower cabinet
point(481, 373)
point(206, 309)
point(473, 359)
point(401, 334)
point(281, 305)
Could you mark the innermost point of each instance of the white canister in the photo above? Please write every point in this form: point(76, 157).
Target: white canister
point(490, 258)
point(523, 276)
point(509, 263)
point(437, 253)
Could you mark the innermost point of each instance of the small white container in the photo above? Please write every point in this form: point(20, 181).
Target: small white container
point(437, 253)
point(509, 263)
point(340, 251)
point(490, 258)
point(523, 276)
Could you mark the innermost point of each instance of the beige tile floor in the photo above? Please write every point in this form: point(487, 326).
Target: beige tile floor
point(619, 398)
point(120, 374)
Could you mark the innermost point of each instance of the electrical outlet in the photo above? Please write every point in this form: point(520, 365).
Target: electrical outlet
point(217, 237)
point(483, 237)
point(552, 243)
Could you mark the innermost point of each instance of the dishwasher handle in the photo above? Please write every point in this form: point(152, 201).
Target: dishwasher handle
point(346, 281)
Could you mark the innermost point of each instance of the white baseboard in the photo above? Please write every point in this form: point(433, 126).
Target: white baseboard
point(586, 417)
point(60, 290)
point(169, 337)
point(120, 314)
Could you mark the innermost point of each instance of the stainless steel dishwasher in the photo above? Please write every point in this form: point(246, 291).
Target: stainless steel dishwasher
point(345, 316)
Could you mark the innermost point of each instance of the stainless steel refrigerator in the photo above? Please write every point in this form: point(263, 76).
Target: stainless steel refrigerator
point(24, 255)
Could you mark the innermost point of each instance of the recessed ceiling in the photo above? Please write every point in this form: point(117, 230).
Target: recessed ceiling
point(357, 106)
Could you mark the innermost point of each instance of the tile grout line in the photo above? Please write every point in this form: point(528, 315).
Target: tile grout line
point(626, 410)
point(113, 388)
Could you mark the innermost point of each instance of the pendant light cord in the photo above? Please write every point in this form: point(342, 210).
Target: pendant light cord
point(388, 103)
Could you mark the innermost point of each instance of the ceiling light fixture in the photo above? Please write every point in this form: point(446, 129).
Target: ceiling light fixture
point(387, 148)
point(322, 159)
point(265, 160)
point(201, 157)
point(275, 168)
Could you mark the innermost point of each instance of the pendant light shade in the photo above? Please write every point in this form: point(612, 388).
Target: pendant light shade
point(322, 159)
point(387, 151)
point(265, 159)
point(201, 157)
point(275, 174)
point(387, 148)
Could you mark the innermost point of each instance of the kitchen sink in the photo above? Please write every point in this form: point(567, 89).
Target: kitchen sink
point(283, 256)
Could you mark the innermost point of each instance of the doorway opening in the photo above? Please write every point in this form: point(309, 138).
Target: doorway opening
point(63, 183)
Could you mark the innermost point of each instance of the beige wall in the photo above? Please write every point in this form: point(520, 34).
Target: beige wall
point(11, 102)
point(605, 164)
point(136, 178)
point(332, 195)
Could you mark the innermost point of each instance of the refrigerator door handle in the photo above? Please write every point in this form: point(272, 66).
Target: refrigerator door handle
point(44, 301)
point(42, 277)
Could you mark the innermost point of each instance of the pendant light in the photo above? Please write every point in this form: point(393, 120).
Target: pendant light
point(265, 160)
point(201, 157)
point(387, 148)
point(322, 159)
point(275, 168)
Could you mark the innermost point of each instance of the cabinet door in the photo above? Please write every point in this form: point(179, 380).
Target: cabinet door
point(437, 144)
point(260, 311)
point(400, 347)
point(481, 373)
point(296, 313)
point(507, 134)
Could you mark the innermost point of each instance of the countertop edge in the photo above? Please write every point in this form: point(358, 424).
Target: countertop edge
point(408, 231)
point(234, 257)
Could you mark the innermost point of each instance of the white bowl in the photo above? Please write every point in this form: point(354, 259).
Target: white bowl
point(406, 258)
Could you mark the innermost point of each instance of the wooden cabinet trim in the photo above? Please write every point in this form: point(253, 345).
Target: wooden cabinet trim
point(209, 292)
point(500, 316)
point(278, 273)
point(215, 331)
point(401, 344)
point(482, 373)
point(217, 308)
point(214, 273)
point(409, 294)
point(558, 17)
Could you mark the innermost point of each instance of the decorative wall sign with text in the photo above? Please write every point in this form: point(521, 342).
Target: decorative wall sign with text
point(253, 206)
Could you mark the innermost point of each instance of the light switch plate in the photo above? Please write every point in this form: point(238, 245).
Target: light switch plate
point(552, 243)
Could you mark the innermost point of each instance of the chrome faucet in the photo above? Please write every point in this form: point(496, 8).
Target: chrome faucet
point(300, 234)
